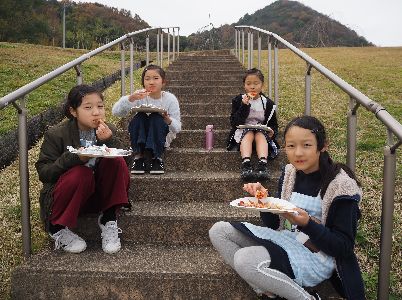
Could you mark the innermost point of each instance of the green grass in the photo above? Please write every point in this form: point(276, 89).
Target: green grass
point(23, 63)
point(375, 71)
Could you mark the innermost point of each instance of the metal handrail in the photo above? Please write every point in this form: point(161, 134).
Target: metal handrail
point(357, 99)
point(20, 94)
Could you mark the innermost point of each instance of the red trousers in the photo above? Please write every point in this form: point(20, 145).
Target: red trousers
point(82, 189)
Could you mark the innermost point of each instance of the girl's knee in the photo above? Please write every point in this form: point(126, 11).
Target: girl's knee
point(218, 229)
point(78, 175)
point(248, 259)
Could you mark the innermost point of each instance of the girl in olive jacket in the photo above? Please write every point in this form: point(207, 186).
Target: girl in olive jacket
point(73, 183)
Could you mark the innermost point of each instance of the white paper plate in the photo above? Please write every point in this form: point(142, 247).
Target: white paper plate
point(147, 109)
point(286, 206)
point(263, 127)
point(112, 153)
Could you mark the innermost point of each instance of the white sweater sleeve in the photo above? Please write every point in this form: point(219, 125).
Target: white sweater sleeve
point(122, 107)
point(174, 113)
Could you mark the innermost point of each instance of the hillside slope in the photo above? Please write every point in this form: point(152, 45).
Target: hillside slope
point(297, 23)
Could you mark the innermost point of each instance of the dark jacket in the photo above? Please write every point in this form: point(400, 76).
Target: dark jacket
point(336, 237)
point(239, 114)
point(55, 159)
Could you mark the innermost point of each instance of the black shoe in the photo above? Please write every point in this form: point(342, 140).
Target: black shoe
point(246, 170)
point(138, 166)
point(157, 166)
point(315, 295)
point(261, 172)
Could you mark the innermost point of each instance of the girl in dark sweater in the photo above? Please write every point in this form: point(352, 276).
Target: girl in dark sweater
point(250, 109)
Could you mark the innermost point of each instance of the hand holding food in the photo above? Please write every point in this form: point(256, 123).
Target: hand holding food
point(138, 95)
point(254, 188)
point(245, 99)
point(103, 132)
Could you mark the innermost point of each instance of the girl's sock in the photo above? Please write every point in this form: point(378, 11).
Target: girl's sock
point(263, 159)
point(109, 215)
point(246, 159)
point(55, 228)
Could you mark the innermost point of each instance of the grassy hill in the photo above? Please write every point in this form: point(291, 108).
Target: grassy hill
point(372, 70)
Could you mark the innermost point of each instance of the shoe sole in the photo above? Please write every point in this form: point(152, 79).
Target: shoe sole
point(137, 172)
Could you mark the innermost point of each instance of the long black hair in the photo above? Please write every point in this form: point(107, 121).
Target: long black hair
point(74, 98)
point(328, 168)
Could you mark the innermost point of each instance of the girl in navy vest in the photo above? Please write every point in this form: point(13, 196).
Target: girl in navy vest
point(299, 250)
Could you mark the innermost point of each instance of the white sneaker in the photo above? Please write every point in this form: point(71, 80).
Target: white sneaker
point(68, 241)
point(110, 236)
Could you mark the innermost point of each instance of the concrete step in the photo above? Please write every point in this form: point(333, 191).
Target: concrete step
point(196, 139)
point(135, 272)
point(211, 68)
point(205, 108)
point(206, 98)
point(206, 53)
point(200, 121)
point(169, 222)
point(218, 159)
point(207, 58)
point(215, 89)
point(206, 64)
point(196, 186)
point(204, 83)
point(203, 75)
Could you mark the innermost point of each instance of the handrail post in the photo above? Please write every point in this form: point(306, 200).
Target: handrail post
point(178, 41)
point(276, 73)
point(24, 177)
point(174, 44)
point(248, 49)
point(239, 42)
point(78, 71)
point(123, 70)
point(168, 47)
point(161, 48)
point(251, 49)
point(157, 48)
point(242, 39)
point(236, 54)
point(147, 48)
point(269, 68)
point(307, 106)
point(131, 66)
point(388, 195)
point(351, 134)
point(259, 51)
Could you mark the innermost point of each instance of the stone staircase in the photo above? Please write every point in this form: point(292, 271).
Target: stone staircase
point(166, 253)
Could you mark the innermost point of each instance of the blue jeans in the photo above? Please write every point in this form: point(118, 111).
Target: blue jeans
point(148, 132)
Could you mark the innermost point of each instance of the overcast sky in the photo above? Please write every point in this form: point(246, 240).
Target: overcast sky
point(379, 21)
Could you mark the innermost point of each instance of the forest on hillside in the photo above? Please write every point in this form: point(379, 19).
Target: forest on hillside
point(88, 25)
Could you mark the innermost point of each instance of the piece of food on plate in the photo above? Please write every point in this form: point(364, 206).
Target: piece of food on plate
point(261, 194)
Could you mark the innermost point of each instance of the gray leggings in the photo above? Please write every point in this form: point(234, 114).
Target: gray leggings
point(251, 261)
